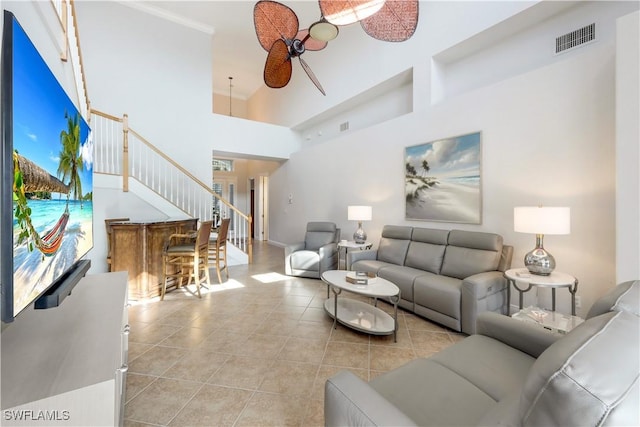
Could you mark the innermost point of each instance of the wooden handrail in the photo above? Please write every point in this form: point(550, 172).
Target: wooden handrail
point(63, 9)
point(172, 162)
point(82, 73)
point(65, 27)
point(107, 116)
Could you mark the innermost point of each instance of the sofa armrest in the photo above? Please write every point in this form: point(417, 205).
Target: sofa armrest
point(482, 292)
point(328, 250)
point(328, 257)
point(288, 250)
point(353, 256)
point(349, 401)
point(293, 247)
point(516, 333)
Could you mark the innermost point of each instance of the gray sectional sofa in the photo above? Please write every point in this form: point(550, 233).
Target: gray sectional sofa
point(511, 373)
point(446, 276)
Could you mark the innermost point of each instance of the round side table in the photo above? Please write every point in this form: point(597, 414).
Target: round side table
point(350, 244)
point(554, 281)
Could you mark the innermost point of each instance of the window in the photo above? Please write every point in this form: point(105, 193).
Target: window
point(224, 165)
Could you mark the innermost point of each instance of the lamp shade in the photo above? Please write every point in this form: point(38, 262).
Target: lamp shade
point(323, 31)
point(542, 220)
point(359, 213)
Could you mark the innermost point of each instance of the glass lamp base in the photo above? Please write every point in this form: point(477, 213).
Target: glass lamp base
point(360, 236)
point(539, 262)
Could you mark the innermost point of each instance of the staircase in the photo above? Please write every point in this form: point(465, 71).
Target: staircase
point(122, 154)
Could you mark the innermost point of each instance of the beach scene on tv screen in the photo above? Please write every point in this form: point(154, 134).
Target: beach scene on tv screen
point(53, 183)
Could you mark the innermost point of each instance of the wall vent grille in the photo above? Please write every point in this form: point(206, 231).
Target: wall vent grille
point(576, 38)
point(344, 126)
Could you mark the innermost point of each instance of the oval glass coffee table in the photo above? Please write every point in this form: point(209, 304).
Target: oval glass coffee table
point(359, 315)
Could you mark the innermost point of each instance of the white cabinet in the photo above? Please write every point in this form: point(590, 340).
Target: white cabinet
point(67, 365)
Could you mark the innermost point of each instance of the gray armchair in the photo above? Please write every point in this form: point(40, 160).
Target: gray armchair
point(317, 254)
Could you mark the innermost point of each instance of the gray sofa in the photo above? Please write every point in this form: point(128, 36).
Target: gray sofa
point(446, 276)
point(511, 373)
point(316, 254)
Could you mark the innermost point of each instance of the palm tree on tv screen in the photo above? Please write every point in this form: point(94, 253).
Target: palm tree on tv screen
point(71, 163)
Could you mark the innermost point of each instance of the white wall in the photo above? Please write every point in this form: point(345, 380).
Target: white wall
point(548, 138)
point(628, 148)
point(354, 62)
point(159, 72)
point(221, 106)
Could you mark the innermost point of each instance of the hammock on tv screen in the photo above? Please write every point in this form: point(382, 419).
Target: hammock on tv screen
point(29, 177)
point(51, 241)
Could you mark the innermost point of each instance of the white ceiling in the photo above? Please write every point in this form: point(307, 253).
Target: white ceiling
point(236, 51)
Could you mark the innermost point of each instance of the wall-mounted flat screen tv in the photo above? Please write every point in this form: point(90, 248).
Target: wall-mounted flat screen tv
point(47, 183)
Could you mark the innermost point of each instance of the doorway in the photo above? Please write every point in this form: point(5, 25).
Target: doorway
point(252, 206)
point(260, 207)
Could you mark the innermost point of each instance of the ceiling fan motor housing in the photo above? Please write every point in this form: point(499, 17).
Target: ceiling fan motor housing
point(297, 48)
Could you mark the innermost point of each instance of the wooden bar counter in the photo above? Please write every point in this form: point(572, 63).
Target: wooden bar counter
point(136, 247)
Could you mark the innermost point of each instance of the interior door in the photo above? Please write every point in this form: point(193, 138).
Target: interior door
point(262, 204)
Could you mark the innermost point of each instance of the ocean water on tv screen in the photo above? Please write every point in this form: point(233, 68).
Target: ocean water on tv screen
point(34, 271)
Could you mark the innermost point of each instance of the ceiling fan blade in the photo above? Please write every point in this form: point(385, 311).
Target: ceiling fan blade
point(312, 76)
point(395, 22)
point(273, 21)
point(310, 43)
point(345, 12)
point(277, 69)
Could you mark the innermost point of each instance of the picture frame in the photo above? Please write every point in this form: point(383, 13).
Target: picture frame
point(443, 180)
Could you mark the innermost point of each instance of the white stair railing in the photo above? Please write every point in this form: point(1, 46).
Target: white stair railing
point(121, 151)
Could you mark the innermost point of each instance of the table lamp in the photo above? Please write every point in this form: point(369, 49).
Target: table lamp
point(359, 213)
point(540, 220)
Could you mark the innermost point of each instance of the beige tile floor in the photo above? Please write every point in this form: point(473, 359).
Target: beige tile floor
point(254, 351)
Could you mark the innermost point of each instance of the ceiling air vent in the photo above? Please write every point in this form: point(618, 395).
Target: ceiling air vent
point(344, 126)
point(576, 38)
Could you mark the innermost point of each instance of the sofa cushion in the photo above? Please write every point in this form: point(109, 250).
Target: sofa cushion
point(402, 277)
point(369, 265)
point(426, 249)
point(425, 256)
point(319, 234)
point(493, 366)
point(305, 260)
point(439, 293)
point(586, 376)
point(475, 240)
point(430, 235)
point(432, 395)
point(394, 244)
point(470, 253)
point(605, 303)
point(400, 232)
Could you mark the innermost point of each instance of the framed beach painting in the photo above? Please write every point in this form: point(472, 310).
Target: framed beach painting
point(442, 180)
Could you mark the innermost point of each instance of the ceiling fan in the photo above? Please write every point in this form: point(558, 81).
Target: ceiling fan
point(277, 28)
